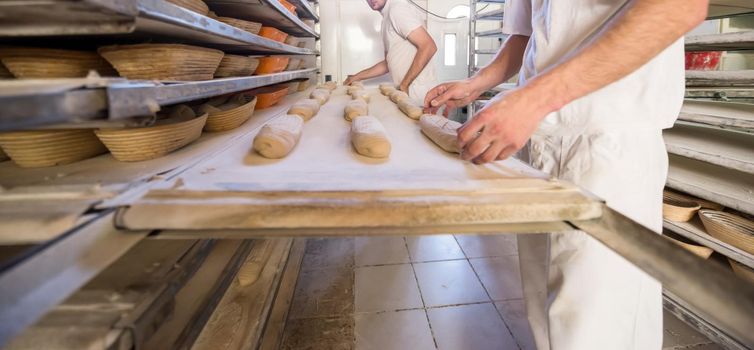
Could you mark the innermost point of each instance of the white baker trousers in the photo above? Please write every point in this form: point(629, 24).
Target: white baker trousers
point(579, 294)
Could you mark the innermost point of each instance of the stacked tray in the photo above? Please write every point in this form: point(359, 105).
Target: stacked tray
point(45, 148)
point(167, 135)
point(171, 62)
point(236, 66)
point(32, 62)
point(228, 114)
point(197, 6)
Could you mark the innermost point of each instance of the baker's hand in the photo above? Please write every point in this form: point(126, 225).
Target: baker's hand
point(501, 128)
point(452, 95)
point(403, 87)
point(351, 79)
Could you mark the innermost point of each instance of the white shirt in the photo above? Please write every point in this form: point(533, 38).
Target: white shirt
point(399, 19)
point(649, 98)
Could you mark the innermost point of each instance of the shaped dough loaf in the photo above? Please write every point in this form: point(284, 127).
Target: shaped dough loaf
point(353, 88)
point(398, 95)
point(356, 108)
point(442, 131)
point(360, 95)
point(410, 109)
point(277, 138)
point(385, 88)
point(369, 137)
point(330, 85)
point(306, 109)
point(321, 95)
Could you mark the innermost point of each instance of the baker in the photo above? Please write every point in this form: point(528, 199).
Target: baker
point(408, 49)
point(598, 82)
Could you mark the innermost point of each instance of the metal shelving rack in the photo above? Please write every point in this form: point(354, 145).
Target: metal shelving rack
point(477, 14)
point(710, 150)
point(44, 266)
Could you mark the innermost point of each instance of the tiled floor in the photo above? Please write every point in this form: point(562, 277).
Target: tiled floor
point(442, 292)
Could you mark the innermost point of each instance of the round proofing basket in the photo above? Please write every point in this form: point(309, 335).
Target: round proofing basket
point(230, 119)
point(742, 270)
point(197, 6)
point(138, 144)
point(163, 61)
point(701, 251)
point(271, 64)
point(678, 209)
point(705, 204)
point(251, 27)
point(729, 228)
point(39, 63)
point(45, 148)
point(236, 66)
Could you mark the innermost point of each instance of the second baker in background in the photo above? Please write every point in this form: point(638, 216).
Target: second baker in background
point(408, 49)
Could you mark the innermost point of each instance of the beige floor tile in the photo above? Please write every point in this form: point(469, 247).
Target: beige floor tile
point(449, 283)
point(476, 326)
point(434, 248)
point(678, 335)
point(319, 333)
point(386, 288)
point(393, 330)
point(514, 315)
point(500, 276)
point(380, 251)
point(323, 293)
point(481, 246)
point(323, 253)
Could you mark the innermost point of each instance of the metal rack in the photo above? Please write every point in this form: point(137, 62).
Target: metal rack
point(267, 12)
point(477, 14)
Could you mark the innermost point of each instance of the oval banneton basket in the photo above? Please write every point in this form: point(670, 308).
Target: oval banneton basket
point(228, 115)
point(197, 6)
point(174, 62)
point(271, 64)
point(705, 204)
point(701, 251)
point(39, 63)
point(167, 135)
point(5, 73)
point(251, 27)
point(293, 64)
point(270, 96)
point(742, 270)
point(273, 34)
point(46, 148)
point(3, 156)
point(236, 66)
point(729, 228)
point(676, 208)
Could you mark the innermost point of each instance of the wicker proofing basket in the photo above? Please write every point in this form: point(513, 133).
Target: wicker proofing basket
point(197, 6)
point(701, 251)
point(163, 61)
point(729, 228)
point(31, 63)
point(251, 27)
point(678, 209)
point(293, 64)
point(167, 135)
point(5, 73)
point(236, 66)
point(705, 204)
point(742, 270)
point(229, 115)
point(45, 148)
point(3, 156)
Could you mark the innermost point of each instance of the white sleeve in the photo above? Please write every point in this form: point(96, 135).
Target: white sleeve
point(517, 17)
point(405, 19)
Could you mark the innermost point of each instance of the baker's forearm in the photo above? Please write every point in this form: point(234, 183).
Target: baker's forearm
point(421, 59)
point(506, 64)
point(374, 71)
point(627, 43)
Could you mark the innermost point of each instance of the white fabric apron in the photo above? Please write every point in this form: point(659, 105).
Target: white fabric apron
point(579, 294)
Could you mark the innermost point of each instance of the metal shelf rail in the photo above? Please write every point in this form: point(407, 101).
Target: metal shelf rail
point(267, 12)
point(305, 9)
point(694, 230)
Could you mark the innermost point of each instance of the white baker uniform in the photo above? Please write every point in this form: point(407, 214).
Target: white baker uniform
point(579, 294)
point(399, 19)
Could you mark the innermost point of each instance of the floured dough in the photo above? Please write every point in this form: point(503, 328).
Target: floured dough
point(442, 131)
point(306, 108)
point(369, 137)
point(398, 95)
point(361, 94)
point(410, 109)
point(321, 95)
point(277, 138)
point(355, 108)
point(330, 85)
point(385, 88)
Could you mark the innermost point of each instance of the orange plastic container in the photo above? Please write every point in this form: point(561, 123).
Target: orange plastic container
point(268, 97)
point(289, 6)
point(271, 64)
point(273, 34)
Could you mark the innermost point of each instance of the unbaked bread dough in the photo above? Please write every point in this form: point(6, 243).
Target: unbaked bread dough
point(369, 137)
point(397, 96)
point(330, 85)
point(410, 109)
point(277, 138)
point(442, 131)
point(306, 108)
point(321, 95)
point(355, 108)
point(361, 94)
point(385, 88)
